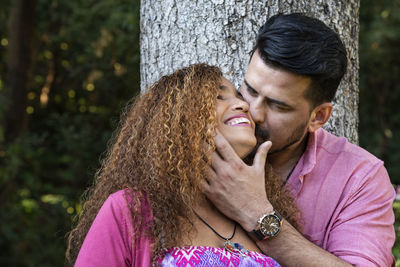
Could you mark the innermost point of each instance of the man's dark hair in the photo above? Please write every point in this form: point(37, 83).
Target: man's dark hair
point(304, 46)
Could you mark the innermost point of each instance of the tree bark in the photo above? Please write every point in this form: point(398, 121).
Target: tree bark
point(222, 32)
point(19, 54)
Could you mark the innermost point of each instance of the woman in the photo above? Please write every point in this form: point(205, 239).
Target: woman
point(147, 203)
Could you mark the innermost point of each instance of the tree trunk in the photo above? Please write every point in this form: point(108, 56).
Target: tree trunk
point(222, 32)
point(21, 29)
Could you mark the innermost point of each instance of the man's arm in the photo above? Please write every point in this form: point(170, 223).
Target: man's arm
point(361, 233)
point(290, 248)
point(238, 191)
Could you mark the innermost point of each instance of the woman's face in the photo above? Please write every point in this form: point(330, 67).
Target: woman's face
point(234, 120)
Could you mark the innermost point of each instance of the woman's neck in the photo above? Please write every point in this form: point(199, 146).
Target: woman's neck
point(206, 209)
point(225, 227)
point(215, 219)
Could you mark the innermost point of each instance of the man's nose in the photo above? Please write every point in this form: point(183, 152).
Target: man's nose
point(257, 112)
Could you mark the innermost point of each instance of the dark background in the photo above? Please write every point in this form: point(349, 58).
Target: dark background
point(72, 66)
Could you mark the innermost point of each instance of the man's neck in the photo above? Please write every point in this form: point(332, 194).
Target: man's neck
point(285, 161)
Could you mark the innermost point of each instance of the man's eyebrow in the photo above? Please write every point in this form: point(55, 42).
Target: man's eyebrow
point(268, 99)
point(271, 100)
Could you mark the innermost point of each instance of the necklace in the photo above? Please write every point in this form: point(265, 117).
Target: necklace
point(225, 238)
point(294, 167)
point(290, 173)
point(228, 246)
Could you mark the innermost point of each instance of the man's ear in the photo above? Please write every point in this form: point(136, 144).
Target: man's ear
point(319, 116)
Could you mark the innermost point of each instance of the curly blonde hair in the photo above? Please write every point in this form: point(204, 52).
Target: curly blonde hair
point(159, 153)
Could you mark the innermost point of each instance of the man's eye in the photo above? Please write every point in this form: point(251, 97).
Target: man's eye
point(282, 108)
point(251, 91)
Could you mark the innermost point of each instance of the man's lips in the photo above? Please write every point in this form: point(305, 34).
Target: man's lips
point(238, 120)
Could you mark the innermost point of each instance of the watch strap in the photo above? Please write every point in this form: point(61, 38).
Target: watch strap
point(278, 215)
point(257, 234)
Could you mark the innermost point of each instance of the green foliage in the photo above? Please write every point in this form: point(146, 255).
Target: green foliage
point(42, 178)
point(379, 82)
point(85, 68)
point(380, 89)
point(396, 208)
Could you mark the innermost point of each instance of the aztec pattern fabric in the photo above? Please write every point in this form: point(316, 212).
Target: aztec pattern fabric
point(210, 256)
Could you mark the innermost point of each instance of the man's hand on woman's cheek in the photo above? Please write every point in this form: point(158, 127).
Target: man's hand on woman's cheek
point(237, 189)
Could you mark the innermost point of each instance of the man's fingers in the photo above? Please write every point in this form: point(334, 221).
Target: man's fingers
point(211, 175)
point(207, 183)
point(216, 161)
point(261, 155)
point(205, 186)
point(224, 148)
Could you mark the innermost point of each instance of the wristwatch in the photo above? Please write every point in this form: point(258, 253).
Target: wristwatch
point(268, 226)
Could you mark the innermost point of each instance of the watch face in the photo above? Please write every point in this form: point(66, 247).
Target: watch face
point(270, 225)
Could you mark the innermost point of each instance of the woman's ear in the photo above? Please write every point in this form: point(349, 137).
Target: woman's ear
point(319, 116)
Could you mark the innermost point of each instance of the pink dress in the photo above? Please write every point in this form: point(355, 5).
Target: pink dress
point(210, 256)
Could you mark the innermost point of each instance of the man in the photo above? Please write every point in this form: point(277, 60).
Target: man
point(344, 193)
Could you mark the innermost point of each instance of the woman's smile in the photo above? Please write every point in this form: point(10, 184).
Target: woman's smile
point(239, 120)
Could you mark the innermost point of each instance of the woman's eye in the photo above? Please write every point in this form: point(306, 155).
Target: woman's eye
point(220, 97)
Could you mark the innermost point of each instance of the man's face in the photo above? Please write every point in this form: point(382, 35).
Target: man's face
point(277, 104)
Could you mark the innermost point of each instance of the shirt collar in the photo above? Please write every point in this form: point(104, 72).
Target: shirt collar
point(305, 164)
point(310, 154)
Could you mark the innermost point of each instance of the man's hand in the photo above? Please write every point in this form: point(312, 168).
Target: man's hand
point(238, 191)
point(235, 188)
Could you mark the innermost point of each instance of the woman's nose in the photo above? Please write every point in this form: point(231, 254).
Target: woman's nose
point(240, 105)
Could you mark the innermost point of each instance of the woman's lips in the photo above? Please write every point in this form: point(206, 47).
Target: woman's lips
point(238, 120)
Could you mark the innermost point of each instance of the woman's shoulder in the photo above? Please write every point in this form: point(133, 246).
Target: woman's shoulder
point(115, 207)
point(120, 196)
point(128, 200)
point(109, 241)
point(117, 199)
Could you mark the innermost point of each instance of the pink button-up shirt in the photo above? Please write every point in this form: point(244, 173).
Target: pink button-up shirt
point(346, 198)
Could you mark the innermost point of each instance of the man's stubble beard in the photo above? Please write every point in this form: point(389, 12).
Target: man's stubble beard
point(296, 136)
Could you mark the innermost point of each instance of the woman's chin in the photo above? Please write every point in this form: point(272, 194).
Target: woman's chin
point(243, 150)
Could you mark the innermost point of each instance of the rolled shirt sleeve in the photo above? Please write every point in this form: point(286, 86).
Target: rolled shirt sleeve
point(363, 232)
